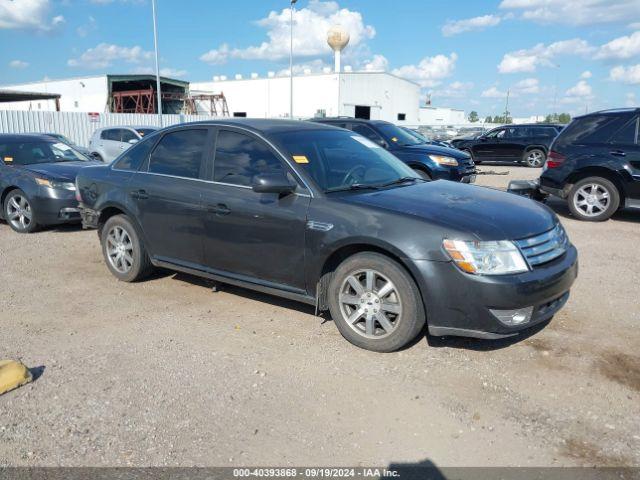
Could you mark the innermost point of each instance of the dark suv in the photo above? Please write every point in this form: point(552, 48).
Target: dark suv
point(320, 215)
point(595, 164)
point(431, 162)
point(513, 143)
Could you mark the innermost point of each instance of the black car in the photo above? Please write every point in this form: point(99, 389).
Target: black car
point(37, 181)
point(431, 162)
point(75, 146)
point(313, 213)
point(595, 164)
point(528, 144)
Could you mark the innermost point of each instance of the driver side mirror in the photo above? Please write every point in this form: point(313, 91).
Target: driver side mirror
point(272, 183)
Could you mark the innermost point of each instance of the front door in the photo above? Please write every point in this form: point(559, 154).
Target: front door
point(168, 195)
point(624, 147)
point(488, 146)
point(253, 236)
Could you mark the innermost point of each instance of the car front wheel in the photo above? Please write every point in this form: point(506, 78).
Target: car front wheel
point(19, 213)
point(375, 303)
point(594, 199)
point(124, 252)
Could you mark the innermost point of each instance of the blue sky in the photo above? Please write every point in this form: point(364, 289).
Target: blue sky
point(575, 54)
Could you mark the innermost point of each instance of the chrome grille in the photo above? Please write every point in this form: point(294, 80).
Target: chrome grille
point(544, 247)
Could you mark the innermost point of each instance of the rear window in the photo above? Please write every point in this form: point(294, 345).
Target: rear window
point(111, 134)
point(179, 153)
point(627, 135)
point(591, 129)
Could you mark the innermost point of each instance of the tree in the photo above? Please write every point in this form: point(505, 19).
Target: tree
point(488, 119)
point(564, 118)
point(473, 117)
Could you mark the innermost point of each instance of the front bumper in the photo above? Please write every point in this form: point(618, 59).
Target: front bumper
point(460, 304)
point(54, 207)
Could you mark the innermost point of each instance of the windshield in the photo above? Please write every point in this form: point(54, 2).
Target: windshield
point(145, 131)
point(339, 160)
point(32, 153)
point(422, 138)
point(396, 135)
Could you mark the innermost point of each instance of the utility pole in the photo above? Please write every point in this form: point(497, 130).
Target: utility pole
point(155, 42)
point(506, 109)
point(291, 8)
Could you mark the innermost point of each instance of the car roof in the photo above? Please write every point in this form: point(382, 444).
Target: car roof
point(152, 127)
point(351, 120)
point(262, 125)
point(25, 137)
point(612, 111)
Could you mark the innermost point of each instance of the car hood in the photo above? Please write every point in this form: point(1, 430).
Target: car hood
point(469, 211)
point(436, 150)
point(64, 171)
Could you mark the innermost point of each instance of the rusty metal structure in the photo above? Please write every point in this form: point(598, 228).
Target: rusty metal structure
point(216, 104)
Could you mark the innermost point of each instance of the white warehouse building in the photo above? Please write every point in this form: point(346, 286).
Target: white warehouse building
point(373, 95)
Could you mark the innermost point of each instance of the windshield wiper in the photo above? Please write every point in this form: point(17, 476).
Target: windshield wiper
point(355, 186)
point(398, 181)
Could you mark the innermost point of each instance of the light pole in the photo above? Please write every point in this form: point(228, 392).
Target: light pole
point(291, 7)
point(155, 42)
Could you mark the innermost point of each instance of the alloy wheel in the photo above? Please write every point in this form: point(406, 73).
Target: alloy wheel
point(120, 249)
point(592, 199)
point(19, 212)
point(535, 158)
point(370, 304)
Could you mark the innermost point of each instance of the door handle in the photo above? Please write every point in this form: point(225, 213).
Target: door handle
point(219, 209)
point(139, 194)
point(618, 153)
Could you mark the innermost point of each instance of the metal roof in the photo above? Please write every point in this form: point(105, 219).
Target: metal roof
point(18, 96)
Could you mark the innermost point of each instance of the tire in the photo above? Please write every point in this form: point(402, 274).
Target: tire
point(388, 329)
point(19, 213)
point(594, 199)
point(423, 174)
point(534, 158)
point(124, 253)
point(97, 157)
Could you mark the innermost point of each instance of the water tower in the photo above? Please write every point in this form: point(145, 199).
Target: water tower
point(338, 39)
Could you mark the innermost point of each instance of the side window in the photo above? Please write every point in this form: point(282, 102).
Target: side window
point(496, 133)
point(367, 132)
point(134, 157)
point(127, 135)
point(111, 134)
point(240, 157)
point(179, 153)
point(627, 135)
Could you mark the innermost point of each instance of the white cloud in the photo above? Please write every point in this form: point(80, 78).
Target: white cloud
point(84, 30)
point(631, 100)
point(630, 74)
point(493, 92)
point(454, 90)
point(378, 63)
point(104, 55)
point(18, 64)
point(314, 66)
point(476, 23)
point(621, 48)
point(586, 75)
point(310, 33)
point(575, 12)
point(528, 60)
point(430, 71)
point(580, 89)
point(527, 86)
point(28, 15)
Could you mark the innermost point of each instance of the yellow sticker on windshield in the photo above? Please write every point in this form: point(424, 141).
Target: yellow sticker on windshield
point(8, 159)
point(394, 139)
point(300, 159)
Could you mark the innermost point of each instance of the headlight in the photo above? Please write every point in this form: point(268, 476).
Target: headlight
point(486, 258)
point(444, 160)
point(56, 184)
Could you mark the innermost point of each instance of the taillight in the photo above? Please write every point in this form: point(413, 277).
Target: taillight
point(555, 159)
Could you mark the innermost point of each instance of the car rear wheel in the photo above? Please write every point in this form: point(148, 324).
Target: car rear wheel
point(423, 174)
point(97, 157)
point(594, 199)
point(375, 303)
point(535, 158)
point(19, 213)
point(124, 252)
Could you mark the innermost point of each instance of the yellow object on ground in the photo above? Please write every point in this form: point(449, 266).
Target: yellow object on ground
point(13, 375)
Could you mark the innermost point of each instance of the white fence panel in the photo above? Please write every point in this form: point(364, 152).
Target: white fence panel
point(78, 126)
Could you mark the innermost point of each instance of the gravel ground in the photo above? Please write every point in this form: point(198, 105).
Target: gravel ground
point(168, 373)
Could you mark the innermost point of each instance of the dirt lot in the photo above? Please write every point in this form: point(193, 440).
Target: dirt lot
point(166, 372)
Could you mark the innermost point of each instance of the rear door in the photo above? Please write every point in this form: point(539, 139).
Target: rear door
point(254, 236)
point(625, 150)
point(168, 193)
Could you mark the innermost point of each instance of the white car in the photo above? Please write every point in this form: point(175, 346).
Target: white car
point(109, 142)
